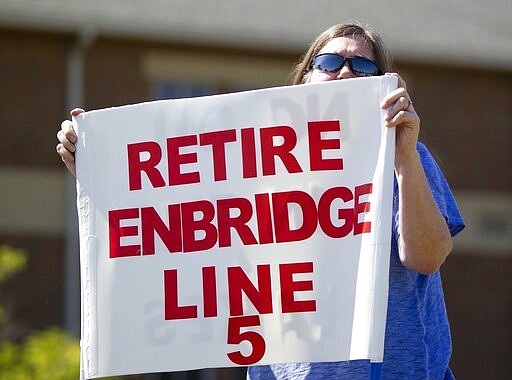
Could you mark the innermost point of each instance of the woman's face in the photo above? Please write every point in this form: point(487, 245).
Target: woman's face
point(347, 47)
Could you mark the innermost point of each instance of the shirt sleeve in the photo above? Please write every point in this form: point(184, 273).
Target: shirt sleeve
point(441, 191)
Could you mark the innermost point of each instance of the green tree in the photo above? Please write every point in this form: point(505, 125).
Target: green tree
point(44, 355)
point(51, 354)
point(12, 261)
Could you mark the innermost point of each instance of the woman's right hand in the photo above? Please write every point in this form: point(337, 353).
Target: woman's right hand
point(67, 140)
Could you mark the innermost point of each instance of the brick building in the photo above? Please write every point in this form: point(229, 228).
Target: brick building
point(456, 57)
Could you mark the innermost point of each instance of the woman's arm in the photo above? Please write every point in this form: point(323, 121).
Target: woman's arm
point(424, 239)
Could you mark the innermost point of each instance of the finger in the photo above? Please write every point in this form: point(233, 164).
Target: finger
point(67, 158)
point(68, 145)
point(64, 153)
point(67, 136)
point(401, 104)
point(393, 97)
point(404, 117)
point(76, 111)
point(68, 131)
point(404, 104)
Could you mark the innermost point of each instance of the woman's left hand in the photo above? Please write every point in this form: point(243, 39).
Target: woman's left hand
point(402, 115)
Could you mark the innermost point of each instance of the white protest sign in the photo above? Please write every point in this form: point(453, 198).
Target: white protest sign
point(239, 229)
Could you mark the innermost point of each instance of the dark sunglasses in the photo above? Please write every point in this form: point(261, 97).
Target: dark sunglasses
point(360, 66)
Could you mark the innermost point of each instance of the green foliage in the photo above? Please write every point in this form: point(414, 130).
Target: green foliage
point(44, 355)
point(12, 261)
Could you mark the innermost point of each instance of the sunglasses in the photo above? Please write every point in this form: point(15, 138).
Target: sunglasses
point(360, 66)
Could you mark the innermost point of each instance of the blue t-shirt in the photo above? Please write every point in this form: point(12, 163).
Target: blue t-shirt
point(417, 343)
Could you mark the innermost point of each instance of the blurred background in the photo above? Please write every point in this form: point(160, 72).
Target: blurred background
point(456, 56)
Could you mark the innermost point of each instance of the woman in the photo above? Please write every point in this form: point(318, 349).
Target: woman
point(417, 342)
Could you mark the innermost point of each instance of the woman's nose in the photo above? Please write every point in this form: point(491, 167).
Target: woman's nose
point(345, 72)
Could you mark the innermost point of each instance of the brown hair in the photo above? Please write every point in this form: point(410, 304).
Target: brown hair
point(375, 42)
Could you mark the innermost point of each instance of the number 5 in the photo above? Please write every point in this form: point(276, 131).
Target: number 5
point(235, 337)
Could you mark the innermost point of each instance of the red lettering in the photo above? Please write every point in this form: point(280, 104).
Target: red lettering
point(236, 336)
point(283, 151)
point(209, 292)
point(136, 166)
point(280, 203)
point(170, 235)
point(116, 232)
point(172, 309)
point(359, 208)
point(275, 142)
point(268, 218)
point(175, 159)
point(248, 153)
point(239, 223)
point(289, 287)
point(190, 226)
point(238, 282)
point(324, 212)
point(317, 145)
point(264, 218)
point(218, 142)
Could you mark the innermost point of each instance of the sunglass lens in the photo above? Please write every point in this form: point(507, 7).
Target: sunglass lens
point(363, 67)
point(328, 62)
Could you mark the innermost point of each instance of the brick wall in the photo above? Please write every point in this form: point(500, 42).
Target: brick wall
point(32, 100)
point(113, 74)
point(477, 293)
point(32, 96)
point(466, 120)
